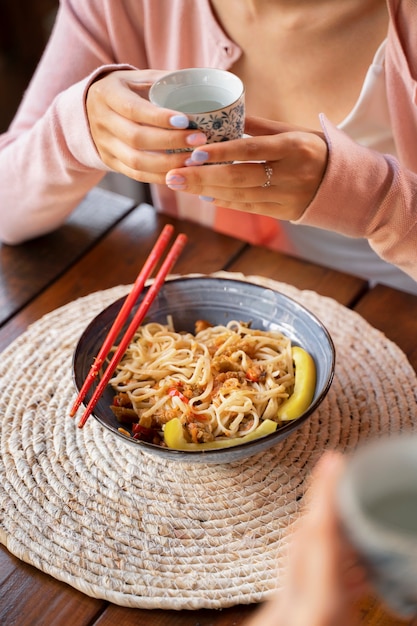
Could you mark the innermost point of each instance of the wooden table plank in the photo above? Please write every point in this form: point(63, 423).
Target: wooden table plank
point(234, 616)
point(30, 597)
point(30, 267)
point(119, 257)
point(344, 288)
point(7, 565)
point(372, 612)
point(395, 314)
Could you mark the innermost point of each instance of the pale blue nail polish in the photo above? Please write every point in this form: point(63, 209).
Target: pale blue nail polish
point(199, 156)
point(175, 181)
point(189, 162)
point(179, 121)
point(196, 139)
point(206, 198)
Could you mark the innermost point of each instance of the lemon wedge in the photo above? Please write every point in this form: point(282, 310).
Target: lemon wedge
point(304, 386)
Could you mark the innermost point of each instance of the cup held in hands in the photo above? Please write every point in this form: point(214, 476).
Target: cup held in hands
point(212, 99)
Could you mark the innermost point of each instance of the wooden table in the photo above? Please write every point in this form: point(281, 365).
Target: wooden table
point(104, 244)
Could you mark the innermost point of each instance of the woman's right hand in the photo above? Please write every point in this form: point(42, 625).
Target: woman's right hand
point(132, 135)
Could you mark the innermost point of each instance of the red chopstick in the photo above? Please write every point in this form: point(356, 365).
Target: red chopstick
point(123, 314)
point(143, 308)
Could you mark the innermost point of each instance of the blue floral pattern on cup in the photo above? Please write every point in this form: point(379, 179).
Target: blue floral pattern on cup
point(221, 125)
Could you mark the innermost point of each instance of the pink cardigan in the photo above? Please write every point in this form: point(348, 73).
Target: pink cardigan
point(48, 161)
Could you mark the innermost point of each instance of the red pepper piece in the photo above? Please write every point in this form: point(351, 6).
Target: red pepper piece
point(252, 376)
point(173, 391)
point(142, 432)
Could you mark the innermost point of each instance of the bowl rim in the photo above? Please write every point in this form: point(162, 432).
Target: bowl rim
point(281, 431)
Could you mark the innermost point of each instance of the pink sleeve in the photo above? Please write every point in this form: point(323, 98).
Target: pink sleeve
point(48, 161)
point(367, 194)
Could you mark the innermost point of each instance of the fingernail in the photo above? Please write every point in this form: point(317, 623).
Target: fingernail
point(206, 198)
point(199, 156)
point(175, 181)
point(179, 121)
point(196, 139)
point(189, 162)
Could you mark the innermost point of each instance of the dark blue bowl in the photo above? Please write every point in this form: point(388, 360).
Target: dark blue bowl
point(219, 301)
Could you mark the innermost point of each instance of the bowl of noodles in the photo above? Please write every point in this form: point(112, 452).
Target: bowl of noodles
point(219, 370)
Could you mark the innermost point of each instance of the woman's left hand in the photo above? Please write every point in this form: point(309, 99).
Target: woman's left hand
point(276, 171)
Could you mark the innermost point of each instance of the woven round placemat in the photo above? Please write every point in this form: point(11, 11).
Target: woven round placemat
point(122, 525)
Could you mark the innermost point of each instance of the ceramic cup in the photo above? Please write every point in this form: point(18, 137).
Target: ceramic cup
point(377, 502)
point(212, 99)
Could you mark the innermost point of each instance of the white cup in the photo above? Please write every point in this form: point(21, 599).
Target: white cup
point(377, 503)
point(212, 99)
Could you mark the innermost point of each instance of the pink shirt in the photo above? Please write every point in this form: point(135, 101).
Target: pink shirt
point(369, 124)
point(48, 161)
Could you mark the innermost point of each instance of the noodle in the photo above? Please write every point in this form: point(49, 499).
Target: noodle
point(221, 382)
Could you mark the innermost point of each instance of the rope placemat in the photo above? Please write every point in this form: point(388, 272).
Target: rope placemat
point(119, 524)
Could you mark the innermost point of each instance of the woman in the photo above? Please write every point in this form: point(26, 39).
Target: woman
point(343, 70)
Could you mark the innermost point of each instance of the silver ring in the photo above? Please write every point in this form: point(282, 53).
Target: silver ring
point(268, 172)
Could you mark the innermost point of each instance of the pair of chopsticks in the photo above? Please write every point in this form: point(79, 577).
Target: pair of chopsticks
point(146, 271)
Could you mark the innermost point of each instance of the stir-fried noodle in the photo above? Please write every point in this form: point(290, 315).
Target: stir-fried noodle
point(221, 382)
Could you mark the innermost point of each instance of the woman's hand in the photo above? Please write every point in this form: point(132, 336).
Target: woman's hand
point(276, 171)
point(132, 135)
point(323, 575)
